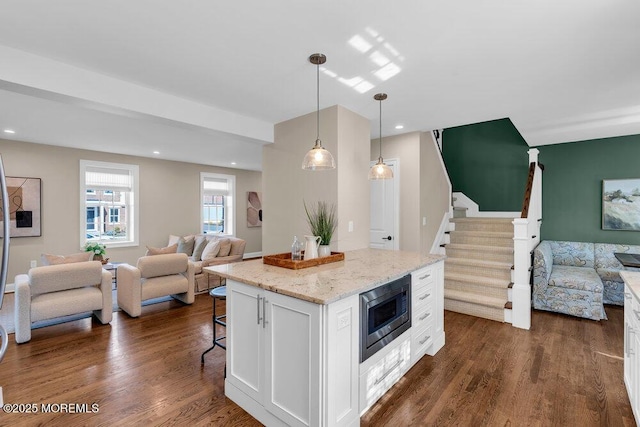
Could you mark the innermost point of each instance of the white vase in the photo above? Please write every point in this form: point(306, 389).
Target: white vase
point(324, 250)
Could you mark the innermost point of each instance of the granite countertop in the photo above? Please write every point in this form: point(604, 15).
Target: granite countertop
point(361, 270)
point(632, 279)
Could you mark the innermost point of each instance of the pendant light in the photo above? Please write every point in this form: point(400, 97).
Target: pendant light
point(380, 170)
point(318, 158)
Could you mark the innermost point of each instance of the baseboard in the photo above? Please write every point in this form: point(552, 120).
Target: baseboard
point(252, 255)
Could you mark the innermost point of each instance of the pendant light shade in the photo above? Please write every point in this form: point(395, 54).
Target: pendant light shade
point(318, 158)
point(380, 170)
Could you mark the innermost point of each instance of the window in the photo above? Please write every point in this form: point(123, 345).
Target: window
point(114, 215)
point(108, 203)
point(217, 194)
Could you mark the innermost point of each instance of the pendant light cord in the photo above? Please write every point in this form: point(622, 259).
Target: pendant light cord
point(381, 128)
point(317, 102)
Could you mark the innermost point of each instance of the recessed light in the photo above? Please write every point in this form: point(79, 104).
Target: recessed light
point(9, 131)
point(156, 152)
point(399, 126)
point(233, 163)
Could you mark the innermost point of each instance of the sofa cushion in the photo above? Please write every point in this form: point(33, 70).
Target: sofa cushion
point(585, 279)
point(199, 245)
point(48, 259)
point(225, 247)
point(197, 265)
point(161, 251)
point(211, 250)
point(186, 244)
point(577, 254)
point(162, 265)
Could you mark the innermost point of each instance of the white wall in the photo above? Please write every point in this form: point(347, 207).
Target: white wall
point(286, 186)
point(435, 190)
point(424, 191)
point(405, 148)
point(169, 201)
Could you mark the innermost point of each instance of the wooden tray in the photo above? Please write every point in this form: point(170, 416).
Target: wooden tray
point(284, 260)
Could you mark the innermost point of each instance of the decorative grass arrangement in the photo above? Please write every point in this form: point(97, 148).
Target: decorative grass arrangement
point(322, 221)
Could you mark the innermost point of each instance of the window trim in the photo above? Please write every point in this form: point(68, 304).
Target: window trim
point(230, 208)
point(133, 213)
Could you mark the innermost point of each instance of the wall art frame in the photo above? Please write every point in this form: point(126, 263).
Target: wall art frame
point(621, 204)
point(25, 205)
point(254, 209)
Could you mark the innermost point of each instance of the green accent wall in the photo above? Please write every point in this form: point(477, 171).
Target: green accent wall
point(488, 162)
point(572, 187)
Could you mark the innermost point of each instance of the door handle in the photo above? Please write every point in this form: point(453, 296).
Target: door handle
point(387, 238)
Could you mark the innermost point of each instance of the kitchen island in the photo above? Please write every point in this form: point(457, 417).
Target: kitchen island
point(293, 336)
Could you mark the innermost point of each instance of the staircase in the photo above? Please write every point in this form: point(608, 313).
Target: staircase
point(478, 268)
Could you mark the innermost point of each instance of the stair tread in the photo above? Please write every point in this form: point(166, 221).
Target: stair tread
point(494, 234)
point(477, 280)
point(482, 219)
point(475, 298)
point(479, 263)
point(483, 248)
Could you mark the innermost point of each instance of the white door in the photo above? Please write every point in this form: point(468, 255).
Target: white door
point(384, 210)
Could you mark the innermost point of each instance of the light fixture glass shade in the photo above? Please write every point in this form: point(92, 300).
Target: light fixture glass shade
point(318, 158)
point(380, 171)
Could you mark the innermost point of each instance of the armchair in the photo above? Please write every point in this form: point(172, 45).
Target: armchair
point(54, 291)
point(155, 276)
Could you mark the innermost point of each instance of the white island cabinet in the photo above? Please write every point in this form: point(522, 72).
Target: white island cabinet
point(274, 351)
point(293, 336)
point(632, 339)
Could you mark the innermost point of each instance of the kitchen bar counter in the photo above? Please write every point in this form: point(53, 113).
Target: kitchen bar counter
point(361, 270)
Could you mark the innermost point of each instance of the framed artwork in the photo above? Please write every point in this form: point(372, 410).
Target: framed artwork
point(24, 207)
point(621, 204)
point(254, 209)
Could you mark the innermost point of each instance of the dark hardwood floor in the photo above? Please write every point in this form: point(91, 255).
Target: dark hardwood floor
point(563, 372)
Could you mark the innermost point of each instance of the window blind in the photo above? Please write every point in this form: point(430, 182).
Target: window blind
point(97, 178)
point(215, 187)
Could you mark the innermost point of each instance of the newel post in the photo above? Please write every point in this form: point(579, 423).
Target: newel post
point(521, 291)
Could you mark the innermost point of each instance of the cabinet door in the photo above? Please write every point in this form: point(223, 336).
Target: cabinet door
point(635, 373)
point(245, 335)
point(628, 343)
point(292, 357)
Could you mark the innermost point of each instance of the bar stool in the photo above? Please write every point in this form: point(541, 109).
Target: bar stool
point(217, 293)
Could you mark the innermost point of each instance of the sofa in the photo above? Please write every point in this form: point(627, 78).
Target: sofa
point(153, 277)
point(60, 290)
point(577, 278)
point(205, 250)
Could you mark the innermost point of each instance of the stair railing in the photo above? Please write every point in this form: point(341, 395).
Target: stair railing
point(526, 230)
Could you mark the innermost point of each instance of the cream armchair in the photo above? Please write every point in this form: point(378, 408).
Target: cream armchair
point(54, 291)
point(155, 276)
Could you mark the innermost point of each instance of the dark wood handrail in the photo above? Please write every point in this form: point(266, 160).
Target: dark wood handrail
point(527, 191)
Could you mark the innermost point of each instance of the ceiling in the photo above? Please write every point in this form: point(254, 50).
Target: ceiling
point(204, 82)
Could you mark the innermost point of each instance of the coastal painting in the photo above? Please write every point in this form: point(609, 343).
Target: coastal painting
point(621, 204)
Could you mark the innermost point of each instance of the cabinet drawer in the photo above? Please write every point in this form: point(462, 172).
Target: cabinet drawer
point(422, 277)
point(420, 341)
point(422, 297)
point(421, 318)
